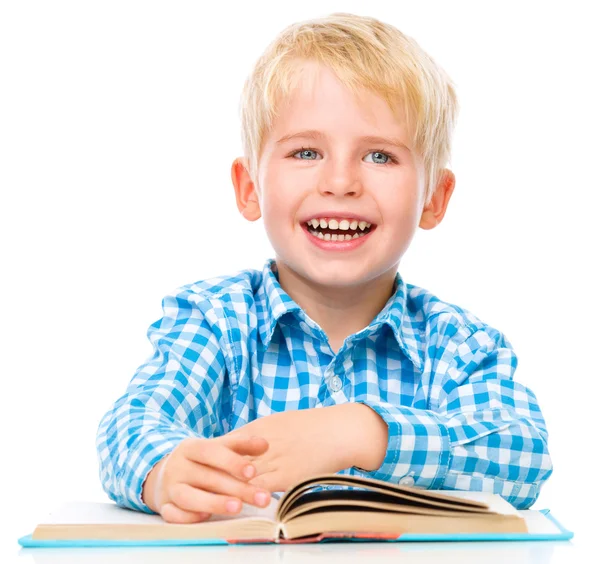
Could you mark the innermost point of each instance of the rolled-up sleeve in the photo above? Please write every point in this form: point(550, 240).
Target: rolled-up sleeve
point(481, 430)
point(172, 396)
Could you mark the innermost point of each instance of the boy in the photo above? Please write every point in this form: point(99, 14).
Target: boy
point(327, 361)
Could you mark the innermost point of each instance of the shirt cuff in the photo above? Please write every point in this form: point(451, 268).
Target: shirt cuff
point(418, 446)
point(144, 453)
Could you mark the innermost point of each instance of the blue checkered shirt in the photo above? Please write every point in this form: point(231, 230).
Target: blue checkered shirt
point(229, 350)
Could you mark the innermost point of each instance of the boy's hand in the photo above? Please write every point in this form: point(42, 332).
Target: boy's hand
point(314, 441)
point(205, 476)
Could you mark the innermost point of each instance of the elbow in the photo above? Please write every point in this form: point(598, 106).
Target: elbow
point(108, 466)
point(536, 465)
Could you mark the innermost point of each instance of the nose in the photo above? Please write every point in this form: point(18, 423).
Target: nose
point(339, 179)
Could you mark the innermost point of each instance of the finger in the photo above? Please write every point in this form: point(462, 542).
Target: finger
point(271, 482)
point(216, 481)
point(196, 500)
point(242, 444)
point(173, 514)
point(218, 455)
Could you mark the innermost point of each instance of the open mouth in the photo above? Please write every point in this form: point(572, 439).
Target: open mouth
point(338, 231)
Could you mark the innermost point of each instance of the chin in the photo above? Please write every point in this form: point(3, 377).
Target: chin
point(337, 276)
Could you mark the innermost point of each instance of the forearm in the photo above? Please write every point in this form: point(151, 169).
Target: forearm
point(491, 450)
point(365, 436)
point(149, 485)
point(512, 459)
point(132, 437)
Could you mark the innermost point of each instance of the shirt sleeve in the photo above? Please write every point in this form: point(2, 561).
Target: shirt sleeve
point(480, 430)
point(172, 396)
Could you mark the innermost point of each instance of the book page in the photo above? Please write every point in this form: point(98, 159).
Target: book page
point(538, 523)
point(437, 498)
point(252, 511)
point(496, 503)
point(91, 513)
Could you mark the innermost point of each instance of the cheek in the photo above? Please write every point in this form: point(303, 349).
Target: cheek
point(400, 210)
point(283, 194)
point(273, 209)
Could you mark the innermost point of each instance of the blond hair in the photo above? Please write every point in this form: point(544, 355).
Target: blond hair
point(364, 53)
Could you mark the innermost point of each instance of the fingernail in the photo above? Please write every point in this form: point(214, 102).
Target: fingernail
point(261, 498)
point(232, 506)
point(248, 471)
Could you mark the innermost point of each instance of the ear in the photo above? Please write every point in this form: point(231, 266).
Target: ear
point(434, 212)
point(246, 195)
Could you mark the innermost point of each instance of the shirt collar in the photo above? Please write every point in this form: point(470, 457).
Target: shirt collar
point(396, 315)
point(273, 302)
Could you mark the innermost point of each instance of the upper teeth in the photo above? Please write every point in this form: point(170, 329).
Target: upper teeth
point(343, 224)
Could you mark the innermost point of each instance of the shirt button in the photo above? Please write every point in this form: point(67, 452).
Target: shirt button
point(335, 384)
point(407, 481)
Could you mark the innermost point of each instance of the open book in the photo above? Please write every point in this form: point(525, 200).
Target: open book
point(311, 511)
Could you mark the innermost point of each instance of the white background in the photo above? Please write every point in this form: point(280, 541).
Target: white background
point(118, 126)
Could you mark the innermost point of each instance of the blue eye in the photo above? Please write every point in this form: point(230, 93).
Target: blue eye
point(379, 156)
point(382, 158)
point(306, 152)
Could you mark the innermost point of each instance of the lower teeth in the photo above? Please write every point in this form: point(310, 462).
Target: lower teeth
point(335, 237)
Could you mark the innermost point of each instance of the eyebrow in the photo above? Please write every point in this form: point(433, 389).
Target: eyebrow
point(315, 134)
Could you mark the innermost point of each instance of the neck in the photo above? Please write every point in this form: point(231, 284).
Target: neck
point(339, 311)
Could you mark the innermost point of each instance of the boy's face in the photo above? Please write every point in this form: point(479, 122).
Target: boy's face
point(338, 174)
